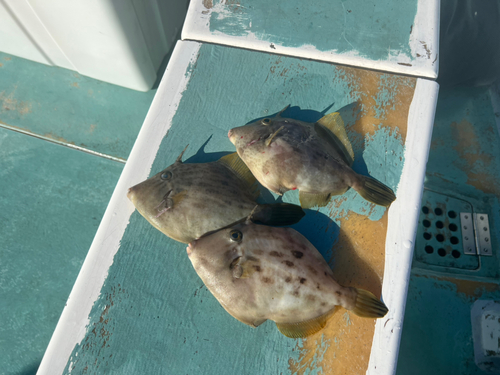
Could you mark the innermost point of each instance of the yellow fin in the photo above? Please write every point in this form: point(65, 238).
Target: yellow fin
point(334, 123)
point(368, 306)
point(234, 163)
point(243, 268)
point(270, 139)
point(305, 328)
point(179, 197)
point(308, 200)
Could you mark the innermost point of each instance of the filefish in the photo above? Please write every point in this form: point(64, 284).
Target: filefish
point(315, 158)
point(184, 201)
point(258, 273)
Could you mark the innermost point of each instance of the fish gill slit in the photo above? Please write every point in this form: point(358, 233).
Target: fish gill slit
point(162, 212)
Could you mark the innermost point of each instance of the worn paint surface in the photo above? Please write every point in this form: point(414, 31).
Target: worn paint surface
point(51, 208)
point(464, 162)
point(437, 333)
point(370, 29)
point(63, 105)
point(155, 316)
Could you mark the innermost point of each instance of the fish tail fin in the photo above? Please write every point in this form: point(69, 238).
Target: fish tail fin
point(368, 306)
point(374, 191)
point(278, 214)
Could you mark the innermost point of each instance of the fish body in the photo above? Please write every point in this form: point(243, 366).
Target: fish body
point(258, 273)
point(315, 158)
point(184, 201)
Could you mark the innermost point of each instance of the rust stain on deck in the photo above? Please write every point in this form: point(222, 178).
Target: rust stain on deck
point(10, 103)
point(469, 289)
point(468, 148)
point(370, 83)
point(359, 255)
point(358, 261)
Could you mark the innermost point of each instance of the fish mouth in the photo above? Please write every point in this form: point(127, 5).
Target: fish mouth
point(190, 247)
point(131, 194)
point(254, 141)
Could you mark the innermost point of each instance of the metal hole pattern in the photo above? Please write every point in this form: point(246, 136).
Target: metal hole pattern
point(439, 235)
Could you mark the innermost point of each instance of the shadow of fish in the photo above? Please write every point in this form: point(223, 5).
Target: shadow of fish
point(315, 158)
point(258, 273)
point(184, 201)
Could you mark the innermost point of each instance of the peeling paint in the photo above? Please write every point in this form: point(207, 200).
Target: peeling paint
point(165, 317)
point(340, 19)
point(10, 103)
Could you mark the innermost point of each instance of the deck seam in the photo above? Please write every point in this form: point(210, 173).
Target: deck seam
point(65, 144)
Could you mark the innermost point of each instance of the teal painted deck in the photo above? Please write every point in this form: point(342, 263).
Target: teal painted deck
point(464, 162)
point(53, 197)
point(153, 314)
point(369, 29)
point(392, 36)
point(65, 106)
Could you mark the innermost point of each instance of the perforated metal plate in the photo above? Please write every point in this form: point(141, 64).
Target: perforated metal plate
point(440, 240)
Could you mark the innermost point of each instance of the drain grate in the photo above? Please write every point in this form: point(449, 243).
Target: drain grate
point(440, 241)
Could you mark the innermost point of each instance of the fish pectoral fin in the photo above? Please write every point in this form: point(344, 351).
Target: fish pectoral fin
point(309, 200)
point(178, 198)
point(243, 268)
point(307, 327)
point(368, 306)
point(270, 138)
point(331, 128)
point(235, 164)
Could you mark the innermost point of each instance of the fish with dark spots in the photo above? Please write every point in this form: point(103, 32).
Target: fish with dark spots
point(290, 296)
point(315, 158)
point(297, 254)
point(185, 201)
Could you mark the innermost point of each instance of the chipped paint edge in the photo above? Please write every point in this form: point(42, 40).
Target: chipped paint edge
point(425, 29)
point(402, 227)
point(72, 325)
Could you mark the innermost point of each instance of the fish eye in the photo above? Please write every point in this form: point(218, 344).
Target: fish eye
point(266, 121)
point(235, 235)
point(166, 175)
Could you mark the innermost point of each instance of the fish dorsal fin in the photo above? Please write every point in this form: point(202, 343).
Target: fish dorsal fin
point(334, 123)
point(308, 200)
point(179, 158)
point(270, 139)
point(244, 267)
point(307, 327)
point(283, 110)
point(234, 163)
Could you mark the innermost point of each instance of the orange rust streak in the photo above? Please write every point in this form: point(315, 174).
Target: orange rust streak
point(471, 289)
point(369, 83)
point(468, 148)
point(359, 255)
point(359, 258)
